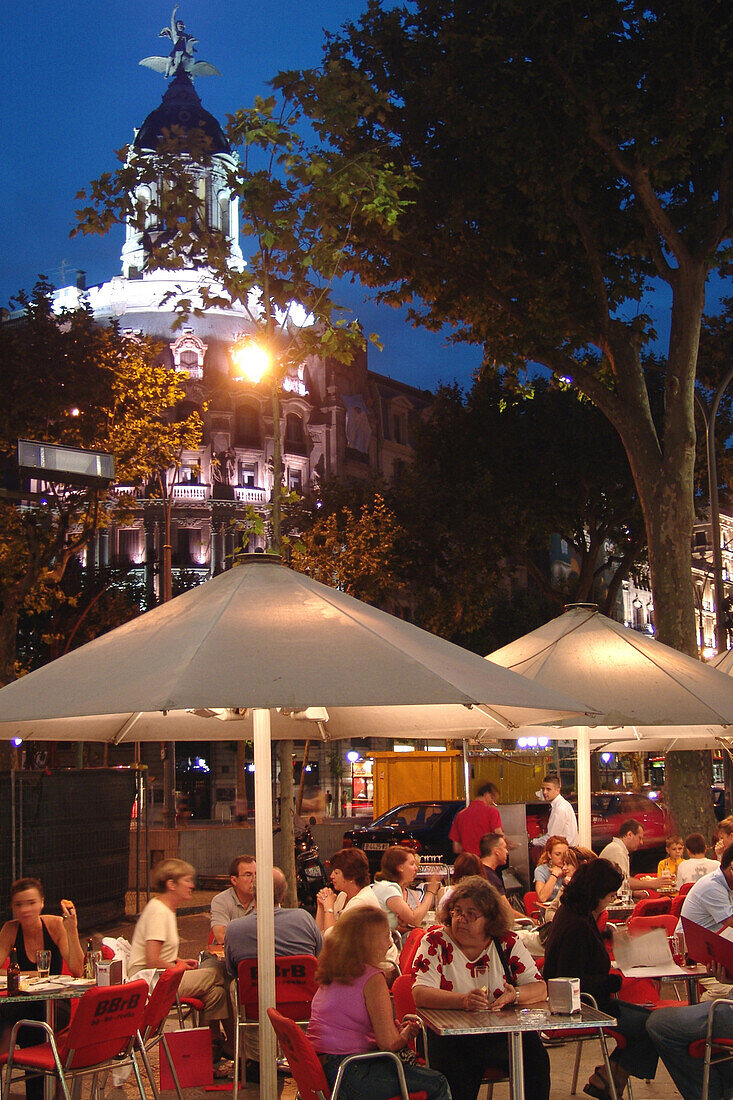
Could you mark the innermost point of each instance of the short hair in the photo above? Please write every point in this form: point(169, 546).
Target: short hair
point(727, 858)
point(670, 840)
point(234, 865)
point(393, 858)
point(631, 825)
point(348, 947)
point(549, 845)
point(726, 825)
point(488, 842)
point(696, 844)
point(168, 869)
point(22, 884)
point(552, 777)
point(581, 855)
point(467, 863)
point(353, 865)
point(279, 885)
point(487, 788)
point(591, 882)
point(486, 899)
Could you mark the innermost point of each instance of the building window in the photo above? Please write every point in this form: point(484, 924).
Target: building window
point(294, 435)
point(247, 426)
point(188, 354)
point(248, 475)
point(189, 473)
point(129, 545)
point(295, 481)
point(189, 546)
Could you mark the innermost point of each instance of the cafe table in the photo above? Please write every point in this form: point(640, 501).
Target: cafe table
point(512, 1022)
point(690, 975)
point(61, 987)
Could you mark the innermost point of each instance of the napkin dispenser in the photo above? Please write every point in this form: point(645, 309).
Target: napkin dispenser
point(109, 972)
point(563, 996)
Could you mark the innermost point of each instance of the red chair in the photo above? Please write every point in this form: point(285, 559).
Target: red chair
point(638, 925)
point(295, 987)
point(102, 1035)
point(409, 949)
point(160, 1003)
point(651, 907)
point(308, 1071)
point(678, 902)
point(713, 1050)
point(532, 905)
point(590, 1034)
point(404, 1004)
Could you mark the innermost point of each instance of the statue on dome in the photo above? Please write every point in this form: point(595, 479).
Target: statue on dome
point(180, 59)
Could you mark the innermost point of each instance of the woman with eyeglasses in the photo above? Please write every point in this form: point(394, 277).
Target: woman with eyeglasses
point(474, 963)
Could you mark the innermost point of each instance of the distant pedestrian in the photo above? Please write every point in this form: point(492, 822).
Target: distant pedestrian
point(480, 817)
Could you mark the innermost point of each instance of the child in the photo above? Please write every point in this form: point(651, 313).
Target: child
point(675, 849)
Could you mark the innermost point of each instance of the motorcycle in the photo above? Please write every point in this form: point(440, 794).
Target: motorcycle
point(309, 871)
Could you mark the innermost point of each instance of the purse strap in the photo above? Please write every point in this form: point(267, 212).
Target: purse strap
point(502, 955)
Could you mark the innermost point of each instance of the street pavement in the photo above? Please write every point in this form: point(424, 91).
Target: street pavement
point(194, 930)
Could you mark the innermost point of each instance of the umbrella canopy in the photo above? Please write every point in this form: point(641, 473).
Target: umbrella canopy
point(257, 645)
point(631, 680)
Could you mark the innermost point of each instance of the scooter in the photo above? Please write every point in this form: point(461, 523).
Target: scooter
point(309, 871)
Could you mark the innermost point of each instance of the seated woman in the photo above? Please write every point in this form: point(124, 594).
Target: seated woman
point(473, 963)
point(351, 1012)
point(352, 883)
point(575, 949)
point(29, 931)
point(397, 872)
point(549, 874)
point(155, 945)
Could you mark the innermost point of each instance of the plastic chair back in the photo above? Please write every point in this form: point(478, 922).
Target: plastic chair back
point(162, 1000)
point(105, 1022)
point(651, 907)
point(295, 986)
point(302, 1058)
point(638, 925)
point(531, 903)
point(404, 1002)
point(409, 950)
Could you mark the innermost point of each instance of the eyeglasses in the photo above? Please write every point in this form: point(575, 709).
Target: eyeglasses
point(246, 874)
point(469, 915)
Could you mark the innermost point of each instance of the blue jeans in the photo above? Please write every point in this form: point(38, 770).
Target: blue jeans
point(377, 1079)
point(673, 1029)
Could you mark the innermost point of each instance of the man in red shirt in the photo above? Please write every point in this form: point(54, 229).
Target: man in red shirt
point(478, 818)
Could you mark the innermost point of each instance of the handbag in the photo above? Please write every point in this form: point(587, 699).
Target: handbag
point(190, 1050)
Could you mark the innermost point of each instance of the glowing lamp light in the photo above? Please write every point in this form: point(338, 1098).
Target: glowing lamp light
point(17, 742)
point(250, 767)
point(250, 361)
point(352, 756)
point(606, 757)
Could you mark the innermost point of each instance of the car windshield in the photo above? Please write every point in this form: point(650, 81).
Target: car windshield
point(414, 813)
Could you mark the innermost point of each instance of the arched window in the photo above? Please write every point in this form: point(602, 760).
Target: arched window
point(294, 435)
point(247, 431)
point(224, 204)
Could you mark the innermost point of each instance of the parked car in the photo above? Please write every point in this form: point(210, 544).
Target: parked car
point(420, 826)
point(424, 826)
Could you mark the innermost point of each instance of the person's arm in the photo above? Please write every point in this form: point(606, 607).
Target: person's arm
point(153, 960)
point(379, 1007)
point(414, 917)
point(8, 932)
point(457, 847)
point(545, 887)
point(325, 916)
point(427, 996)
point(218, 931)
point(65, 931)
point(219, 919)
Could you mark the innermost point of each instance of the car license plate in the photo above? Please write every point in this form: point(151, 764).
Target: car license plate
point(313, 872)
point(376, 846)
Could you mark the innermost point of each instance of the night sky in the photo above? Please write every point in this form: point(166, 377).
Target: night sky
point(72, 91)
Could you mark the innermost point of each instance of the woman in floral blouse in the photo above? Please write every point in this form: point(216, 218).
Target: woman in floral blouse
point(475, 963)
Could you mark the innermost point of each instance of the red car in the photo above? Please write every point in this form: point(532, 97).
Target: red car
point(609, 810)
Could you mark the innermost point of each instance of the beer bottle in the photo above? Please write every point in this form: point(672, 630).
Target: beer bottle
point(13, 974)
point(89, 961)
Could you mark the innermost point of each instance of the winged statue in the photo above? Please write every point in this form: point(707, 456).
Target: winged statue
point(181, 58)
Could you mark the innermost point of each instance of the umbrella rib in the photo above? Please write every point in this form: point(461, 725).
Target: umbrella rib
point(547, 649)
point(126, 727)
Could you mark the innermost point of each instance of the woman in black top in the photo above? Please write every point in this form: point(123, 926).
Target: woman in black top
point(575, 949)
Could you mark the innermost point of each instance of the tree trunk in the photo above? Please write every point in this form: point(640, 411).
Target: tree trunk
point(687, 776)
point(287, 832)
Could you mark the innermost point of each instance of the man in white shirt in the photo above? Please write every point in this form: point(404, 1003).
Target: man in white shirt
point(710, 903)
point(690, 870)
point(563, 821)
point(618, 852)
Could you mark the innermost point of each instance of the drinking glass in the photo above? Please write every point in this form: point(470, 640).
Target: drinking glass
point(43, 963)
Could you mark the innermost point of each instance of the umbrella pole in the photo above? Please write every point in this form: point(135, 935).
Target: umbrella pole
point(265, 900)
point(466, 772)
point(582, 763)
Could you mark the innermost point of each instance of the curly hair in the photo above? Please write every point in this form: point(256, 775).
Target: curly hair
point(591, 882)
point(353, 865)
point(349, 947)
point(392, 861)
point(486, 899)
point(549, 845)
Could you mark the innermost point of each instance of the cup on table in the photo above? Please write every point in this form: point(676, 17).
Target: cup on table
point(43, 963)
point(677, 947)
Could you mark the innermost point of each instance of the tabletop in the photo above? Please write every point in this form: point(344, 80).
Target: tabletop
point(55, 989)
point(453, 1021)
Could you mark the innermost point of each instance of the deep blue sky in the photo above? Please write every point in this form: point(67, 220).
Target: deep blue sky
point(72, 91)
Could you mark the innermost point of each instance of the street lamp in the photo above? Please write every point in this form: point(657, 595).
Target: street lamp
point(253, 361)
point(709, 414)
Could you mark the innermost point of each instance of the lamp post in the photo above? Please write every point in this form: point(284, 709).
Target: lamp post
point(709, 414)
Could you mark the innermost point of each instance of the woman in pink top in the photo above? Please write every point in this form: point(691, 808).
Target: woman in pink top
point(352, 1013)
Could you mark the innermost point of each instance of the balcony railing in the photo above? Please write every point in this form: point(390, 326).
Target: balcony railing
point(190, 491)
point(247, 494)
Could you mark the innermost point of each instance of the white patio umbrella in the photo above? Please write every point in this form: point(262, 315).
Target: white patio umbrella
point(634, 682)
point(255, 646)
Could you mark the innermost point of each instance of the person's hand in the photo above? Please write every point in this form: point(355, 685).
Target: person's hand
point(476, 1000)
point(411, 1026)
point(68, 910)
point(508, 997)
point(433, 885)
point(191, 964)
point(324, 896)
point(720, 846)
point(717, 970)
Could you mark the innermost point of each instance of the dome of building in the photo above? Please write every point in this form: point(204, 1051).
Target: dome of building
point(181, 107)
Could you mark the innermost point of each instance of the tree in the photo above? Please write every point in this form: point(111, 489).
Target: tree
point(68, 380)
point(569, 158)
